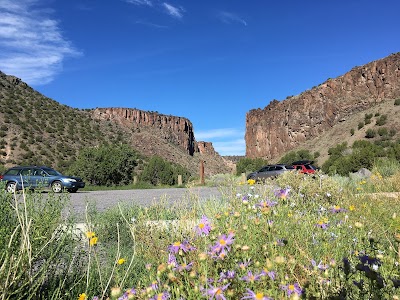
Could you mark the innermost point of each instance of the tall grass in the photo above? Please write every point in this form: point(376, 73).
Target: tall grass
point(295, 237)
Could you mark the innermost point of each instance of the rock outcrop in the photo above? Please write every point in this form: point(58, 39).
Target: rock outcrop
point(176, 130)
point(282, 126)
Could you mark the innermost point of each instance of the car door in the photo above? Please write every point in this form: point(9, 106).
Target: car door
point(264, 172)
point(41, 180)
point(27, 178)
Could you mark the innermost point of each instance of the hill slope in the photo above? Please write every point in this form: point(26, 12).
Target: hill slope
point(37, 130)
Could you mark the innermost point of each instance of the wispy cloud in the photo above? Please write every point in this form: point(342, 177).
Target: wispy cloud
point(150, 24)
point(31, 43)
point(226, 141)
point(176, 12)
point(140, 2)
point(230, 18)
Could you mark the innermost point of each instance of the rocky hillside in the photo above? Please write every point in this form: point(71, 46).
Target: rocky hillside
point(35, 129)
point(286, 125)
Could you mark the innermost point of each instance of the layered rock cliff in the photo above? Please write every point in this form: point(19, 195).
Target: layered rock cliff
point(282, 126)
point(176, 130)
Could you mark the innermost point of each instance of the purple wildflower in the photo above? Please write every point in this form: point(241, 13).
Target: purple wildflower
point(161, 296)
point(216, 293)
point(267, 203)
point(292, 288)
point(320, 266)
point(177, 246)
point(244, 264)
point(255, 296)
point(280, 242)
point(223, 243)
point(250, 277)
point(184, 267)
point(227, 275)
point(337, 209)
point(172, 260)
point(204, 227)
point(271, 274)
point(282, 193)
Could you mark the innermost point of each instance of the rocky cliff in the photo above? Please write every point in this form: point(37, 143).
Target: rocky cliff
point(282, 126)
point(170, 137)
point(176, 130)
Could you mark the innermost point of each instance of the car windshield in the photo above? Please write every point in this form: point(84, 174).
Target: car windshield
point(289, 167)
point(52, 172)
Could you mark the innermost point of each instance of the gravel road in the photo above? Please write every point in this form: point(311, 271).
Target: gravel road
point(107, 199)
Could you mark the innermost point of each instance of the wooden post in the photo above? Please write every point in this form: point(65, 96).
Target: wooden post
point(202, 172)
point(134, 180)
point(179, 179)
point(243, 178)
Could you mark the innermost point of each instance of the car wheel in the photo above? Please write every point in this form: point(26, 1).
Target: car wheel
point(72, 190)
point(11, 187)
point(57, 187)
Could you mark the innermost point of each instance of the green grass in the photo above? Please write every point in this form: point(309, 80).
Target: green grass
point(295, 237)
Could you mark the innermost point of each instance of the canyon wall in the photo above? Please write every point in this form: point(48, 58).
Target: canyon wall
point(281, 126)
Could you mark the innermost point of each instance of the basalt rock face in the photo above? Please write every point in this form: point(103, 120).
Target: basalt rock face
point(282, 126)
point(176, 130)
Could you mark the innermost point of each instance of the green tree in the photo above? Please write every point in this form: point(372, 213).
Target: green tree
point(246, 164)
point(106, 165)
point(161, 172)
point(292, 156)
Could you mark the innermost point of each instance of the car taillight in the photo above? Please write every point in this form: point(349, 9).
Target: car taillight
point(1, 177)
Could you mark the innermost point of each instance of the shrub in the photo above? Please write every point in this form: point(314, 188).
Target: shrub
point(296, 155)
point(370, 133)
point(382, 120)
point(245, 165)
point(382, 131)
point(352, 131)
point(397, 102)
point(360, 125)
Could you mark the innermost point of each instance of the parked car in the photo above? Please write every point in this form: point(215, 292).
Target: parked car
point(305, 166)
point(33, 177)
point(270, 171)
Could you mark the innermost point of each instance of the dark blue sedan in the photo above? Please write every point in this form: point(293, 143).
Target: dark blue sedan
point(32, 177)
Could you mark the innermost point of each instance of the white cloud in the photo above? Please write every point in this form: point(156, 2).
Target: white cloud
point(229, 18)
point(226, 141)
point(230, 147)
point(176, 12)
point(140, 2)
point(31, 44)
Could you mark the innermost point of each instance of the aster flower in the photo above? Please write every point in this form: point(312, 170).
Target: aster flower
point(172, 260)
point(223, 243)
point(337, 209)
point(216, 292)
point(323, 223)
point(204, 227)
point(250, 277)
point(184, 267)
point(244, 264)
point(226, 275)
point(292, 288)
point(280, 242)
point(270, 274)
point(255, 296)
point(161, 296)
point(282, 193)
point(320, 266)
point(178, 246)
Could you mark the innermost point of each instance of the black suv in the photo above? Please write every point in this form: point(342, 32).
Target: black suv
point(33, 177)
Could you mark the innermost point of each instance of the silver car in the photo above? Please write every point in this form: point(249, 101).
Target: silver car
point(270, 171)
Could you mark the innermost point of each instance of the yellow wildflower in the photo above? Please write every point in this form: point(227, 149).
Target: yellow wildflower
point(93, 241)
point(352, 207)
point(251, 181)
point(90, 234)
point(82, 296)
point(121, 261)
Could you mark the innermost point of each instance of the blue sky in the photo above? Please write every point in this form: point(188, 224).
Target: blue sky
point(208, 61)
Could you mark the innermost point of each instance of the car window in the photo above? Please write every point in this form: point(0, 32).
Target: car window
point(299, 168)
point(265, 169)
point(309, 167)
point(289, 167)
point(12, 172)
point(277, 168)
point(38, 172)
point(27, 172)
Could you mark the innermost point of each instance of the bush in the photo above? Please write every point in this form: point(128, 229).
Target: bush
point(382, 120)
point(370, 133)
point(352, 131)
point(383, 131)
point(397, 102)
point(295, 156)
point(246, 165)
point(161, 172)
point(360, 125)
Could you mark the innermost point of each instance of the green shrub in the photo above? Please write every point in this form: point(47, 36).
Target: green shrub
point(382, 120)
point(246, 165)
point(397, 102)
point(383, 131)
point(360, 125)
point(296, 155)
point(370, 133)
point(352, 131)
